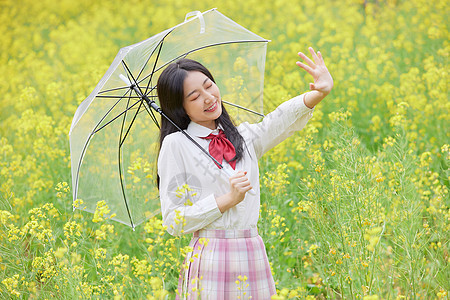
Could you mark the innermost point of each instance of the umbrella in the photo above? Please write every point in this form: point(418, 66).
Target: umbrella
point(114, 136)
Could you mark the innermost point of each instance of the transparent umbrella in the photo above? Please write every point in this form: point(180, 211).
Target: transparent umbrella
point(114, 136)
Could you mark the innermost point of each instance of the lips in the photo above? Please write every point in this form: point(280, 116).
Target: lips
point(212, 107)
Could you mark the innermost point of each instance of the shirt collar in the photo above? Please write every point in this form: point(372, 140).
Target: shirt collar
point(201, 131)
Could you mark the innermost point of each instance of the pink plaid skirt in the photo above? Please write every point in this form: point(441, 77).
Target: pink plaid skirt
point(226, 264)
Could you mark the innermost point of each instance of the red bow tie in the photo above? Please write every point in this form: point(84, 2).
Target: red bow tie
point(220, 147)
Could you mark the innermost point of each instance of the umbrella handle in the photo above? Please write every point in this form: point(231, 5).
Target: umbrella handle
point(229, 174)
point(199, 15)
point(124, 79)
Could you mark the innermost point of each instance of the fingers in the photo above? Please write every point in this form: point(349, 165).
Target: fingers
point(305, 67)
point(320, 56)
point(317, 57)
point(239, 174)
point(244, 187)
point(307, 59)
point(314, 55)
point(240, 182)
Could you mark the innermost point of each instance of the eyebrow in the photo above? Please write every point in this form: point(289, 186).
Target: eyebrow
point(196, 89)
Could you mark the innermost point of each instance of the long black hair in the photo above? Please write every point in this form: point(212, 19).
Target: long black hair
point(171, 96)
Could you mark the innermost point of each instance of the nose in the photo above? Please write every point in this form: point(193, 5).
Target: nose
point(209, 97)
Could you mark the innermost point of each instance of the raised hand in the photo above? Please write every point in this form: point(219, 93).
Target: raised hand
point(323, 82)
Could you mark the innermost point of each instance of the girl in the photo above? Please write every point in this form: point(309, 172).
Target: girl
point(228, 258)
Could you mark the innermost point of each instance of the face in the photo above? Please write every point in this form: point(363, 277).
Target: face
point(201, 101)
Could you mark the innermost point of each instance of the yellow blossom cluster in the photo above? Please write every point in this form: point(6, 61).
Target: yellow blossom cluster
point(275, 182)
point(102, 212)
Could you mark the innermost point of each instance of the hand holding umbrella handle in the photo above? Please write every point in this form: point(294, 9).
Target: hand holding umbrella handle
point(229, 174)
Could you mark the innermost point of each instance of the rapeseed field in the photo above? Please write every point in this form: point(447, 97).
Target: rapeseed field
point(355, 206)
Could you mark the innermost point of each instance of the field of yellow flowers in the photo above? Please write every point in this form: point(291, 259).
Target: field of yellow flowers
point(355, 206)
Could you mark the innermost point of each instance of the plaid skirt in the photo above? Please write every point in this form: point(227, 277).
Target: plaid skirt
point(226, 264)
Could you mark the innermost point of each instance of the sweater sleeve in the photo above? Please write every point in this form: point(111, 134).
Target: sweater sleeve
point(289, 117)
point(182, 209)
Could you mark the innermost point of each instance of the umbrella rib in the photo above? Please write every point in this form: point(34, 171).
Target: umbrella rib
point(114, 89)
point(120, 165)
point(223, 43)
point(152, 115)
point(131, 97)
point(116, 117)
point(244, 108)
point(154, 66)
point(131, 124)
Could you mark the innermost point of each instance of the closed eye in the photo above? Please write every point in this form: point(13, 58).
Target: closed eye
point(207, 83)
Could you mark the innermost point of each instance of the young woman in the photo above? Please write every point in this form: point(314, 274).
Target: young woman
point(228, 258)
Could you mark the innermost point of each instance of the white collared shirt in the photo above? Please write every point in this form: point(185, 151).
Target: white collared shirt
point(190, 181)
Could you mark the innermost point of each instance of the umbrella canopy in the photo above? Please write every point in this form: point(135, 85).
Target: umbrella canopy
point(114, 136)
